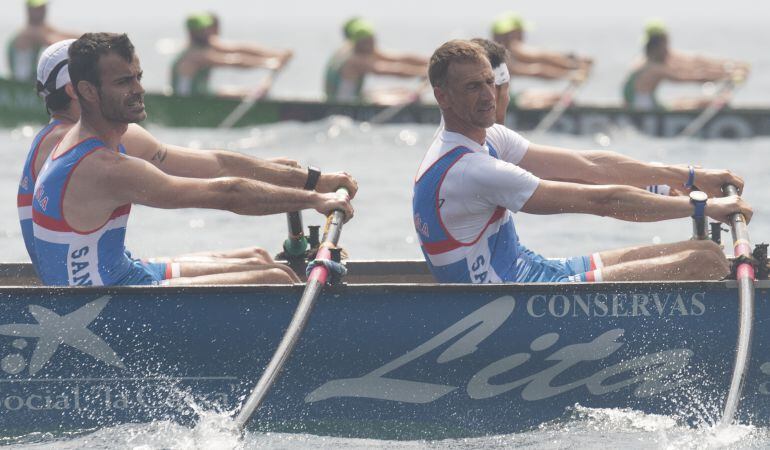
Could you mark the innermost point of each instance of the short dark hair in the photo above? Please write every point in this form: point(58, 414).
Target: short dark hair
point(654, 42)
point(85, 52)
point(456, 50)
point(496, 53)
point(57, 100)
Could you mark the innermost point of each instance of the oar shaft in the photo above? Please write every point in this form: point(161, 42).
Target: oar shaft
point(745, 279)
point(313, 288)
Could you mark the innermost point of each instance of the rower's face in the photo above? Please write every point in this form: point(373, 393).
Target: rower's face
point(470, 92)
point(121, 95)
point(365, 45)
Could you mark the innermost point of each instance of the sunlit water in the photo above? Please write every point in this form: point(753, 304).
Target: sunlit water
point(384, 160)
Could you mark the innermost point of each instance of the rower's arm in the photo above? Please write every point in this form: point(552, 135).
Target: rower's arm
point(606, 167)
point(186, 162)
point(249, 49)
point(223, 59)
point(538, 70)
point(133, 180)
point(406, 58)
point(624, 203)
point(363, 65)
point(528, 54)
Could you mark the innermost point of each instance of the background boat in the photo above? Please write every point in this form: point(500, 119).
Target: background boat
point(20, 105)
point(375, 360)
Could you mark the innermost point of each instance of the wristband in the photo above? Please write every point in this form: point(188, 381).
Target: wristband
point(690, 178)
point(313, 174)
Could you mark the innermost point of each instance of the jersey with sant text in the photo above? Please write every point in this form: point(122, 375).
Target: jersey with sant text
point(65, 256)
point(465, 195)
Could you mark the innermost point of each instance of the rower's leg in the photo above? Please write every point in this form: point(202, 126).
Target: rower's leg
point(188, 269)
point(691, 264)
point(628, 254)
point(254, 253)
point(267, 276)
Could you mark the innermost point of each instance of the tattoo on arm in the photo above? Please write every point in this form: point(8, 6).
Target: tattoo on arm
point(161, 155)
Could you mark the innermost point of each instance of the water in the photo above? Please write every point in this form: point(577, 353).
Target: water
point(384, 160)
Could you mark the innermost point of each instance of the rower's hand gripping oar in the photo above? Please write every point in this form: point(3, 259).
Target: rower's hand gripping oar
point(315, 283)
point(250, 100)
point(745, 278)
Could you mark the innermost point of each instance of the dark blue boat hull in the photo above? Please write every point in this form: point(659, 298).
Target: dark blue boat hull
point(408, 361)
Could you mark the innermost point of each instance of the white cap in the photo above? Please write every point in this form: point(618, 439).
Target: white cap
point(54, 58)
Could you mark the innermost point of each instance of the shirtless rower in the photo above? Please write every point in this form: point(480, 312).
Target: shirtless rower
point(524, 60)
point(54, 87)
point(82, 242)
point(25, 46)
point(660, 63)
point(358, 57)
point(477, 173)
point(191, 70)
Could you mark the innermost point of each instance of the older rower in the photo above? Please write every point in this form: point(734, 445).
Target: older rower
point(476, 174)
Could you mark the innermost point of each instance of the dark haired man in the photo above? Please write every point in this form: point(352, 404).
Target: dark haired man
point(25, 46)
point(476, 174)
point(190, 71)
point(661, 63)
point(84, 192)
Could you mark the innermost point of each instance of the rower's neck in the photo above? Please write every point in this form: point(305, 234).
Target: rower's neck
point(109, 132)
point(454, 124)
point(66, 116)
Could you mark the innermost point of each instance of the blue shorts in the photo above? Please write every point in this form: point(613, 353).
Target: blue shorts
point(534, 268)
point(144, 273)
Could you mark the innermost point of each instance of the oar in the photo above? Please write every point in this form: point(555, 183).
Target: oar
point(249, 101)
point(744, 275)
point(564, 102)
point(313, 288)
point(392, 111)
point(720, 100)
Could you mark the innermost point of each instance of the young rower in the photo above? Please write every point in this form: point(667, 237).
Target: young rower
point(476, 174)
point(191, 70)
point(660, 63)
point(358, 57)
point(524, 60)
point(109, 163)
point(25, 46)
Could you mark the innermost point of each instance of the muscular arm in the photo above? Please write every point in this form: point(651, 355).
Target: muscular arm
point(528, 54)
point(606, 167)
point(364, 65)
point(623, 202)
point(186, 162)
point(132, 180)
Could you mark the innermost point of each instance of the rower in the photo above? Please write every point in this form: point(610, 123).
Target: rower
point(358, 57)
point(476, 174)
point(190, 72)
point(25, 46)
point(662, 63)
point(524, 60)
point(109, 163)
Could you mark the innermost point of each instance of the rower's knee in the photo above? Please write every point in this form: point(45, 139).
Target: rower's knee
point(707, 262)
point(275, 275)
point(259, 255)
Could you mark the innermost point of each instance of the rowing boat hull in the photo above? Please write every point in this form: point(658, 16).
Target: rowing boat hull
point(20, 105)
point(376, 360)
